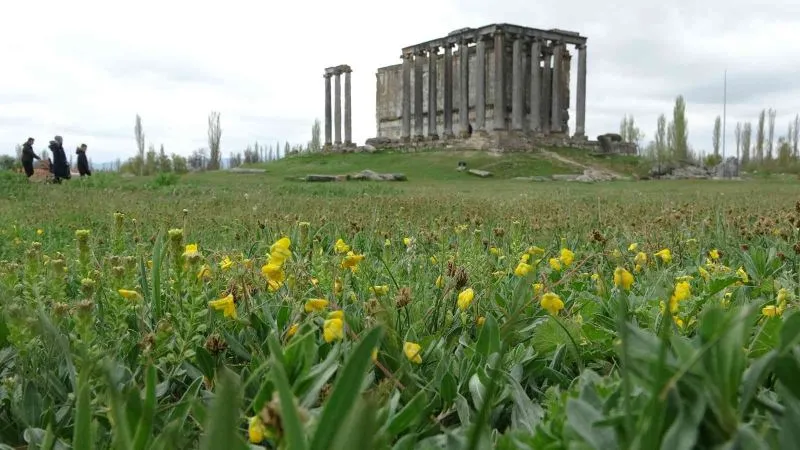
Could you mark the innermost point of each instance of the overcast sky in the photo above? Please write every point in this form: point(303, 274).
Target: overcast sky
point(85, 68)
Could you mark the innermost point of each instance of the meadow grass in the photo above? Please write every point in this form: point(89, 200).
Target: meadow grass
point(447, 311)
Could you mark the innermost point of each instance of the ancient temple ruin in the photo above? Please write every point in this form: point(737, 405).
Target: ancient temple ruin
point(498, 86)
point(336, 72)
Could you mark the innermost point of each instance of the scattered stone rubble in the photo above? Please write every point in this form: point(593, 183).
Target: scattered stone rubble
point(364, 175)
point(727, 169)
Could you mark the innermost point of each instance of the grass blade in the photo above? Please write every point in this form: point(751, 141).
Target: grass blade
point(82, 434)
point(222, 422)
point(145, 427)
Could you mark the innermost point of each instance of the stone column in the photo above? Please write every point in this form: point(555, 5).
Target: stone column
point(406, 119)
point(536, 87)
point(418, 68)
point(555, 111)
point(547, 87)
point(580, 102)
point(480, 84)
point(517, 89)
point(463, 93)
point(348, 117)
point(448, 91)
point(328, 113)
point(337, 114)
point(432, 107)
point(499, 78)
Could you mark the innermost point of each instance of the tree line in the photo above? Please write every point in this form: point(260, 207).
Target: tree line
point(755, 147)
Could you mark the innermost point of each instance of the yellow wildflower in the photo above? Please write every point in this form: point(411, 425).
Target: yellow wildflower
point(439, 282)
point(256, 430)
point(537, 288)
point(375, 354)
point(379, 290)
point(292, 330)
point(525, 257)
point(413, 352)
point(337, 286)
point(713, 254)
point(433, 260)
point(315, 305)
point(684, 278)
point(191, 251)
point(129, 294)
point(494, 251)
point(678, 322)
point(665, 255)
point(273, 285)
point(39, 232)
point(407, 241)
point(623, 278)
point(726, 299)
point(704, 273)
point(279, 251)
point(682, 291)
point(552, 303)
point(273, 272)
point(566, 256)
point(149, 263)
point(522, 269)
point(226, 263)
point(333, 329)
point(742, 275)
point(783, 295)
point(632, 248)
point(480, 321)
point(465, 298)
point(640, 259)
point(341, 246)
point(225, 305)
point(771, 311)
point(351, 261)
point(555, 263)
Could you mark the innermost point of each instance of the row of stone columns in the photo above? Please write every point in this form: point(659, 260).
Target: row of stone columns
point(546, 109)
point(336, 73)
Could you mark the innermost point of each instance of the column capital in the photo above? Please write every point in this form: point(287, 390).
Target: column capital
point(434, 50)
point(580, 46)
point(498, 32)
point(327, 75)
point(407, 55)
point(420, 52)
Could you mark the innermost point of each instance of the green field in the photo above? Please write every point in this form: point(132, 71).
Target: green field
point(447, 311)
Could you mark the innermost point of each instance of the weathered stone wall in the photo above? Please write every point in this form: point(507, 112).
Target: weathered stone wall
point(389, 92)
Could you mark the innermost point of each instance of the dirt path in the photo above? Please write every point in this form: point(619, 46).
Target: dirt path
point(571, 162)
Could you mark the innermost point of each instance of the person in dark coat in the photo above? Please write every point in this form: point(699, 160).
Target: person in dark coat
point(83, 162)
point(60, 167)
point(28, 155)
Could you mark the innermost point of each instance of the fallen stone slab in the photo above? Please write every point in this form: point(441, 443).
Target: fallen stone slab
point(533, 178)
point(565, 177)
point(325, 178)
point(246, 170)
point(375, 176)
point(480, 173)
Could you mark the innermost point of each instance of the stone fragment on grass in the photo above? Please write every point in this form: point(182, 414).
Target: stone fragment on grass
point(480, 173)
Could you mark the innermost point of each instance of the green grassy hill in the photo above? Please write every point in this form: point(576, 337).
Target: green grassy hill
point(440, 165)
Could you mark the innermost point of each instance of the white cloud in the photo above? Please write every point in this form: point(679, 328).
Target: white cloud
point(85, 68)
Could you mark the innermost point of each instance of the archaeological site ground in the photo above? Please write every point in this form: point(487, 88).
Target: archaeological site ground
point(521, 286)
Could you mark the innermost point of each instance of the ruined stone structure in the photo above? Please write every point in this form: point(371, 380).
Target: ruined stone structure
point(337, 72)
point(504, 86)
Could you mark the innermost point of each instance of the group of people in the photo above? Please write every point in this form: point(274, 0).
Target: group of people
point(59, 165)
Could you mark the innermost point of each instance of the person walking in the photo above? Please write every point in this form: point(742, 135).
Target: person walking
point(83, 162)
point(28, 155)
point(60, 167)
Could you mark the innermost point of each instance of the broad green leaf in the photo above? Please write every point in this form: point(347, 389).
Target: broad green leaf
point(82, 433)
point(294, 434)
point(222, 424)
point(489, 338)
point(145, 427)
point(407, 416)
point(790, 332)
point(787, 368)
point(754, 378)
point(582, 418)
point(346, 390)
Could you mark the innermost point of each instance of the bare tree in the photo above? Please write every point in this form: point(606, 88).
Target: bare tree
point(796, 135)
point(316, 141)
point(771, 133)
point(139, 132)
point(214, 137)
point(760, 136)
point(715, 139)
point(661, 138)
point(738, 135)
point(680, 129)
point(747, 133)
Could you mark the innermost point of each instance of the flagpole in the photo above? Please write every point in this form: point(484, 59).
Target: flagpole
point(724, 114)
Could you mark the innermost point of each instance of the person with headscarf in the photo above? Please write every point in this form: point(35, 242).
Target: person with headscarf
point(83, 162)
point(60, 166)
point(28, 155)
